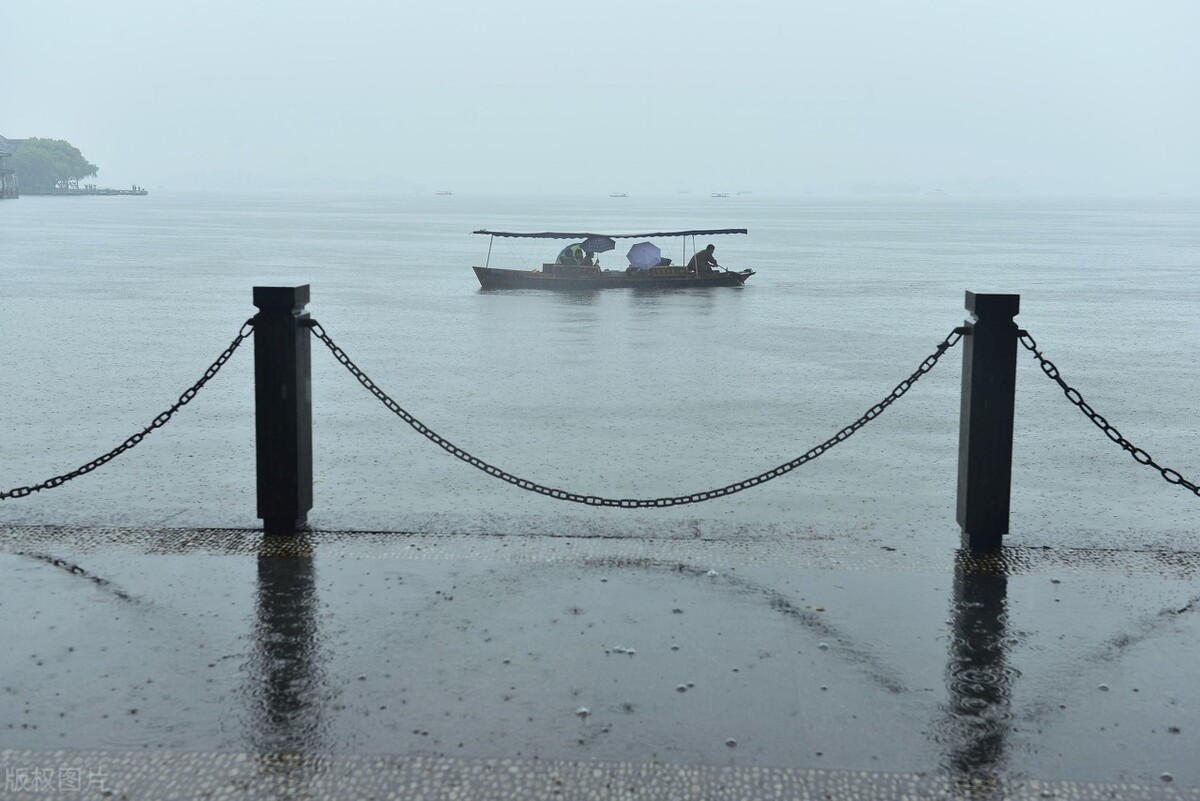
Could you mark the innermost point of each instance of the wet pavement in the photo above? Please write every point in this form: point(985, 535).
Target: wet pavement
point(211, 663)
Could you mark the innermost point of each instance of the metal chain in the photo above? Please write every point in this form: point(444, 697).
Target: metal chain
point(20, 492)
point(1139, 455)
point(637, 503)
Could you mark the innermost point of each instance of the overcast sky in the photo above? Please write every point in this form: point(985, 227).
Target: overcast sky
point(1060, 96)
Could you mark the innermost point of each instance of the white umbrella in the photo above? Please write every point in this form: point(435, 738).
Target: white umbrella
point(644, 255)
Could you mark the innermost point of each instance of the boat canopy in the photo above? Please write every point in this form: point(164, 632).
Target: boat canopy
point(556, 235)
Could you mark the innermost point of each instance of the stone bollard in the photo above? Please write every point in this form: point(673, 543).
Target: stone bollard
point(283, 408)
point(989, 380)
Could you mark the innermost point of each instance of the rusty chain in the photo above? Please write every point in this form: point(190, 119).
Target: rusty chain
point(635, 503)
point(158, 422)
point(1139, 455)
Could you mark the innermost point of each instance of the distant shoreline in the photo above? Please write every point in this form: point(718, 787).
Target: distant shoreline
point(92, 190)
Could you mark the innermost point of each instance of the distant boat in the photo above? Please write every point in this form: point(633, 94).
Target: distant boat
point(935, 192)
point(744, 192)
point(585, 277)
point(444, 192)
point(618, 194)
point(720, 194)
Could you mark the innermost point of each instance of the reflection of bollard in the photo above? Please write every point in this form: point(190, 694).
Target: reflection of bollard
point(989, 381)
point(979, 676)
point(283, 408)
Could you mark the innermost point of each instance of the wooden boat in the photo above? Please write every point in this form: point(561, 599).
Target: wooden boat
point(586, 277)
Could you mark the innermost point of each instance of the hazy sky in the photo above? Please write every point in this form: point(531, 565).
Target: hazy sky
point(1070, 96)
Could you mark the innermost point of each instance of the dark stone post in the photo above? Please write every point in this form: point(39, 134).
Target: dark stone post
point(283, 407)
point(989, 380)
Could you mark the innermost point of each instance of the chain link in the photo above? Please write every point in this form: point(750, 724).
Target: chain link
point(20, 492)
point(636, 503)
point(1139, 455)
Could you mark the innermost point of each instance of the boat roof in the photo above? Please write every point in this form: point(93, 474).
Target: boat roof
point(585, 235)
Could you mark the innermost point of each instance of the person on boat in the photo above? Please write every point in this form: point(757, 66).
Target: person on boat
point(703, 261)
point(571, 254)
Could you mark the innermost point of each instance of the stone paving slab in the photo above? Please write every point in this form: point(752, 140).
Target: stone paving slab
point(71, 775)
point(198, 663)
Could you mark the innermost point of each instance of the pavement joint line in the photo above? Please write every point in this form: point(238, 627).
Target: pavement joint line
point(118, 775)
point(599, 551)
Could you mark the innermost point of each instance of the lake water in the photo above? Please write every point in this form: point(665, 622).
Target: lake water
point(113, 306)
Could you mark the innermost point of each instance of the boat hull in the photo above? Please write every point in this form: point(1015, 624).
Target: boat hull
point(496, 278)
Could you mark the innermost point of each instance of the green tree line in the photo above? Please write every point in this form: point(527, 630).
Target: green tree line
point(43, 164)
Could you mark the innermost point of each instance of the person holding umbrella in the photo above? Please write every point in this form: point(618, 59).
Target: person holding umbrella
point(703, 261)
point(594, 245)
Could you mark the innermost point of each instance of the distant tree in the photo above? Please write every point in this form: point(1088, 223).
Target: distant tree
point(41, 164)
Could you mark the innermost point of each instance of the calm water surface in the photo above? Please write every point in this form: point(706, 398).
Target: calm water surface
point(114, 306)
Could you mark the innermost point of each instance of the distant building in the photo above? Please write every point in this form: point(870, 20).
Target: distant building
point(8, 178)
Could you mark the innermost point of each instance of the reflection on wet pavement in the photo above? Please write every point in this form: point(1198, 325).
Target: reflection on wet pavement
point(288, 691)
point(978, 677)
point(783, 661)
